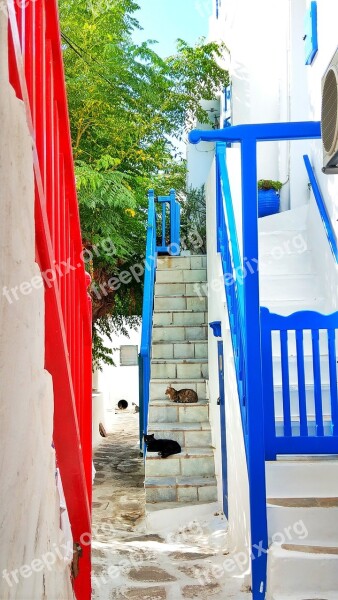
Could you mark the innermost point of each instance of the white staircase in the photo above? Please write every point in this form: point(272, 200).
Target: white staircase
point(302, 491)
point(180, 360)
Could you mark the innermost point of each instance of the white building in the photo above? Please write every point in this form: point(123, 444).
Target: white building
point(274, 428)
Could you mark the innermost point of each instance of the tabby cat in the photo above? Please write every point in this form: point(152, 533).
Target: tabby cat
point(164, 448)
point(185, 396)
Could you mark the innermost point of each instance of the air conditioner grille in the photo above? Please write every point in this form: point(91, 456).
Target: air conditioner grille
point(329, 111)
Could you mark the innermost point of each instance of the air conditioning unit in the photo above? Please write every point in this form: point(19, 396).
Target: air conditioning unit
point(329, 119)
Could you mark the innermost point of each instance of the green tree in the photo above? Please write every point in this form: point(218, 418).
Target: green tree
point(126, 106)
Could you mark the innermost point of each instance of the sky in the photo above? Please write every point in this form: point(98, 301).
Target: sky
point(167, 20)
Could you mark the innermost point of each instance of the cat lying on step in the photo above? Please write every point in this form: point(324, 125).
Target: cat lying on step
point(185, 396)
point(164, 448)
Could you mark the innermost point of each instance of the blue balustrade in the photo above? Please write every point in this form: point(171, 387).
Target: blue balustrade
point(301, 427)
point(152, 249)
point(327, 224)
point(243, 304)
point(169, 246)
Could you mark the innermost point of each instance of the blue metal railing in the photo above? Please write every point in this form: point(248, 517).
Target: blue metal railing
point(152, 250)
point(298, 426)
point(171, 246)
point(147, 316)
point(244, 311)
point(330, 234)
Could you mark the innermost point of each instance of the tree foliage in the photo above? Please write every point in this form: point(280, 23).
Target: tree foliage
point(126, 106)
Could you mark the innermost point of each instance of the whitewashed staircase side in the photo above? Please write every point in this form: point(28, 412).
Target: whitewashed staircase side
point(180, 360)
point(302, 491)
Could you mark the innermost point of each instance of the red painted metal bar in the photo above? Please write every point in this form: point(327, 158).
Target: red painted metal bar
point(37, 76)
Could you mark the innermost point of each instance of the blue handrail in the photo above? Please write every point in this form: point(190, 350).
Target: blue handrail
point(330, 234)
point(147, 314)
point(152, 250)
point(249, 367)
point(173, 247)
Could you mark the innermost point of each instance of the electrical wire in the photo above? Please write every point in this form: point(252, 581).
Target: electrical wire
point(80, 52)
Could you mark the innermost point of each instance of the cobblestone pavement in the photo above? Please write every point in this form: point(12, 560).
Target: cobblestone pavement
point(129, 562)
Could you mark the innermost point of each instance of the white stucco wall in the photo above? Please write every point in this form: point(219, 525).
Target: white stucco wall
point(29, 502)
point(115, 382)
point(238, 494)
point(200, 157)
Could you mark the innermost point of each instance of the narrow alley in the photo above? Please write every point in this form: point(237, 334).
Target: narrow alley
point(130, 560)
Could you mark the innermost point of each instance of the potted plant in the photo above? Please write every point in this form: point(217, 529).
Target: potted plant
point(268, 197)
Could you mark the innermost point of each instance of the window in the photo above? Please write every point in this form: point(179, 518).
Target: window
point(128, 356)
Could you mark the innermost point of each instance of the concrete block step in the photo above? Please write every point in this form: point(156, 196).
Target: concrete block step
point(180, 349)
point(188, 435)
point(305, 572)
point(179, 317)
point(198, 261)
point(299, 519)
point(158, 387)
point(278, 263)
point(169, 333)
point(187, 302)
point(181, 489)
point(288, 287)
point(164, 411)
point(180, 289)
point(180, 275)
point(309, 477)
point(195, 462)
point(179, 368)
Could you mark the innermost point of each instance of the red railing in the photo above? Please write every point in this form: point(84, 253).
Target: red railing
point(37, 75)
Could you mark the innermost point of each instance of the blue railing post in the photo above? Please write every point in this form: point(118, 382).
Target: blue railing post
point(147, 311)
point(253, 375)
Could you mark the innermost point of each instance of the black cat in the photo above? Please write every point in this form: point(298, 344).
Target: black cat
point(164, 447)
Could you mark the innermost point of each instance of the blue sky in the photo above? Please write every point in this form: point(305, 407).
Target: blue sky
point(167, 20)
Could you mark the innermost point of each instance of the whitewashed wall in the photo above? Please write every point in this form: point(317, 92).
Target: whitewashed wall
point(29, 502)
point(236, 461)
point(115, 382)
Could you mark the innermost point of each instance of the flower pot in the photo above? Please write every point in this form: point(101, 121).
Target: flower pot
point(268, 202)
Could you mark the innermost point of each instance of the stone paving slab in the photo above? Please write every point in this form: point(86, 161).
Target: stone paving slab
point(130, 563)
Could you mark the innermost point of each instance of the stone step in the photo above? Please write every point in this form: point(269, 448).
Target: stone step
point(180, 289)
point(191, 302)
point(198, 261)
point(196, 462)
point(282, 242)
point(179, 317)
point(302, 572)
point(180, 276)
point(181, 489)
point(294, 400)
point(179, 368)
point(274, 263)
point(287, 287)
point(180, 349)
point(169, 333)
point(310, 476)
point(316, 519)
point(164, 411)
point(188, 435)
point(308, 369)
point(307, 342)
point(158, 387)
